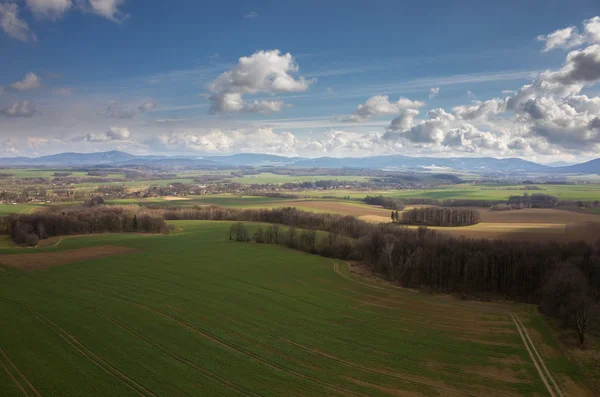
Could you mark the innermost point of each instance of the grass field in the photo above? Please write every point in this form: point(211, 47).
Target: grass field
point(473, 192)
point(267, 177)
point(195, 314)
point(7, 209)
point(49, 173)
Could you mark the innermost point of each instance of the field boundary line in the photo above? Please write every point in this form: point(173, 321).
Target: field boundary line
point(337, 270)
point(166, 351)
point(73, 342)
point(35, 391)
point(537, 366)
point(541, 360)
point(13, 378)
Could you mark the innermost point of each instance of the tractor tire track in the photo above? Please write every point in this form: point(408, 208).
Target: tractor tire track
point(541, 360)
point(240, 350)
point(533, 358)
point(81, 348)
point(16, 369)
point(222, 381)
point(388, 373)
point(10, 374)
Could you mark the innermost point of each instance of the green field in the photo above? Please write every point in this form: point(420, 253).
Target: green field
point(7, 209)
point(192, 313)
point(583, 192)
point(270, 178)
point(48, 173)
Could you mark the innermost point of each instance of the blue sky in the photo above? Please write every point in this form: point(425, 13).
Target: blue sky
point(166, 77)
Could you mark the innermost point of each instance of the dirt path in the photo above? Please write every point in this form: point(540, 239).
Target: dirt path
point(553, 389)
point(541, 360)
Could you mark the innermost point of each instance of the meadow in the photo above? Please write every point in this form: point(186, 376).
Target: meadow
point(468, 191)
point(192, 313)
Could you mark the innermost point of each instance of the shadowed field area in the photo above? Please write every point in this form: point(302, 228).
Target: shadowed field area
point(190, 315)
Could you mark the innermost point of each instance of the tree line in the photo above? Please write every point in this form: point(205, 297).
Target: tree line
point(29, 229)
point(385, 202)
point(439, 216)
point(564, 279)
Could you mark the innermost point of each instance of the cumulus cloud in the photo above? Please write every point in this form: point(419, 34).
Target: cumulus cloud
point(19, 109)
point(480, 110)
point(431, 130)
point(548, 116)
point(380, 105)
point(266, 140)
point(581, 66)
point(251, 15)
point(30, 81)
point(113, 134)
point(14, 26)
point(338, 142)
point(433, 92)
point(570, 37)
point(404, 121)
point(50, 9)
point(262, 72)
point(108, 9)
point(264, 106)
point(250, 140)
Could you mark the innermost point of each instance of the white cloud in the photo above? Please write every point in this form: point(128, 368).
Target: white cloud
point(433, 92)
point(19, 109)
point(12, 25)
point(431, 130)
point(248, 140)
point(480, 110)
point(251, 15)
point(50, 9)
point(7, 147)
point(113, 134)
point(35, 142)
point(338, 142)
point(380, 105)
point(404, 121)
point(471, 95)
point(581, 66)
point(562, 38)
point(262, 72)
point(264, 106)
point(109, 9)
point(29, 82)
point(570, 37)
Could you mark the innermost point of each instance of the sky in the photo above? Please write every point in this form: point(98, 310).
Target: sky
point(303, 78)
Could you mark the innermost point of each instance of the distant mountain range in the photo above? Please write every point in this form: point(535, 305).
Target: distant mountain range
point(392, 162)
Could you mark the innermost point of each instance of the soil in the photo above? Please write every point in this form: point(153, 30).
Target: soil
point(29, 262)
